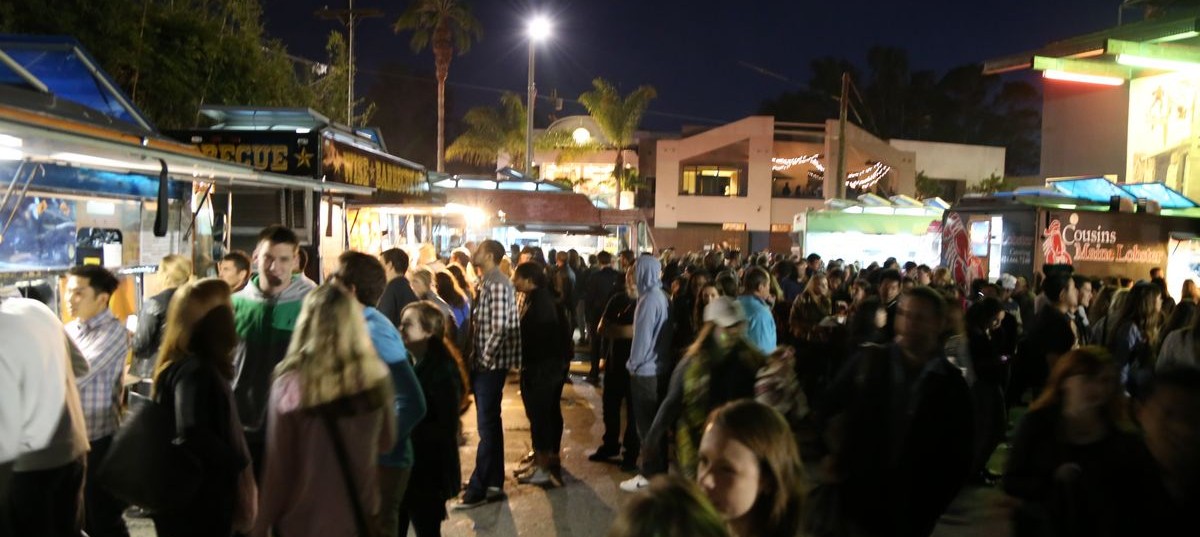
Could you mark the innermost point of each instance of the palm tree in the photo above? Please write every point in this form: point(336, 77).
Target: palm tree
point(491, 131)
point(618, 118)
point(449, 26)
point(494, 130)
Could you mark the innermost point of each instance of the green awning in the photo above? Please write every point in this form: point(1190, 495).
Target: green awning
point(871, 224)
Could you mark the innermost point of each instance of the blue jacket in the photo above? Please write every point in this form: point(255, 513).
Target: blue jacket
point(760, 323)
point(651, 331)
point(409, 399)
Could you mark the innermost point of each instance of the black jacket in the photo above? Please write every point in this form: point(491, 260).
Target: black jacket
point(601, 286)
point(436, 471)
point(902, 459)
point(544, 333)
point(151, 322)
point(201, 397)
point(396, 295)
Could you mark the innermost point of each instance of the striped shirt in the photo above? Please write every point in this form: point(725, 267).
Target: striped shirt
point(495, 327)
point(104, 342)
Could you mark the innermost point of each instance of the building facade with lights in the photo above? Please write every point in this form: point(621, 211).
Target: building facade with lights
point(1122, 102)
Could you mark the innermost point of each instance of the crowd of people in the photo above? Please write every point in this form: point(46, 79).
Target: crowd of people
point(754, 395)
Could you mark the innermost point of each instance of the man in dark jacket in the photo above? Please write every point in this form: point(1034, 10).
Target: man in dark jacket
point(398, 292)
point(601, 286)
point(906, 426)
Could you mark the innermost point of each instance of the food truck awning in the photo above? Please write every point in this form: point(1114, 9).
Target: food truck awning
point(1095, 54)
point(58, 107)
point(871, 224)
point(44, 139)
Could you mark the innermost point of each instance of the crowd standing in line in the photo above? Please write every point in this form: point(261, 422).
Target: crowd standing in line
point(745, 395)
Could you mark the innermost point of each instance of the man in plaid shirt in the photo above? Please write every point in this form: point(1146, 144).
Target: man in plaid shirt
point(495, 347)
point(104, 343)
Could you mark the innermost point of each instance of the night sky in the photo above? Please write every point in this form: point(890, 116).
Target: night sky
point(691, 51)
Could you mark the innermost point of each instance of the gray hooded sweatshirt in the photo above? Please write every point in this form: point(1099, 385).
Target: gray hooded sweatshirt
point(651, 331)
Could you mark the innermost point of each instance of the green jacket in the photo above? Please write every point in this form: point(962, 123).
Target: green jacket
point(264, 325)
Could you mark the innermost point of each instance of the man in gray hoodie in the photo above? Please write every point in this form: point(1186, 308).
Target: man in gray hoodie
point(649, 356)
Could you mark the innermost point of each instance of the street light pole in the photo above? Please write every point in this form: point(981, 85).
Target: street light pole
point(348, 17)
point(539, 29)
point(529, 101)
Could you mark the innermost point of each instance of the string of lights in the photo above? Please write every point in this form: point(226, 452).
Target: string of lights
point(864, 178)
point(867, 178)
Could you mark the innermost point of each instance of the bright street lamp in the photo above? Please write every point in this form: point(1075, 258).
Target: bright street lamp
point(538, 30)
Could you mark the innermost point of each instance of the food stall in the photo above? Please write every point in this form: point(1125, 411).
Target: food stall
point(348, 165)
point(89, 180)
point(873, 229)
point(1099, 227)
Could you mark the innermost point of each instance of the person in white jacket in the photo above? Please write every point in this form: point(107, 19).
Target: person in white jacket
point(43, 437)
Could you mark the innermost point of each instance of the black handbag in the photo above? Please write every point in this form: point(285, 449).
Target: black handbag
point(146, 466)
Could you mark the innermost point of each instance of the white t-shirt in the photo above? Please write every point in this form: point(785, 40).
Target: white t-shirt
point(34, 368)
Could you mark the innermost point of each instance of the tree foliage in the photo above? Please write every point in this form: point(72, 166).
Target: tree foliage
point(927, 187)
point(173, 57)
point(618, 118)
point(447, 26)
point(992, 185)
point(961, 106)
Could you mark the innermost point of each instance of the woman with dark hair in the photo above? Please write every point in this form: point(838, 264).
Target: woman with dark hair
point(704, 296)
point(1135, 332)
point(461, 278)
point(448, 289)
point(1181, 347)
point(1189, 293)
point(749, 467)
point(439, 368)
point(193, 377)
point(545, 355)
point(983, 319)
point(1071, 451)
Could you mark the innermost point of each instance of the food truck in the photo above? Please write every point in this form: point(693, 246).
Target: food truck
point(89, 180)
point(351, 165)
point(873, 228)
point(1099, 227)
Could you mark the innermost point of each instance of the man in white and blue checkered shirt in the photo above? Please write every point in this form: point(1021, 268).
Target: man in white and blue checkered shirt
point(495, 347)
point(104, 342)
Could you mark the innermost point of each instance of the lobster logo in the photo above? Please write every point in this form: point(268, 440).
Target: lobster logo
point(1054, 246)
point(956, 252)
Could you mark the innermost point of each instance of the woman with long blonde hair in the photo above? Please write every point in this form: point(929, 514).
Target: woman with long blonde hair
point(192, 377)
point(330, 417)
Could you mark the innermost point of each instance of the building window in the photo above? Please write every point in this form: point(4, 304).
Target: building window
point(712, 181)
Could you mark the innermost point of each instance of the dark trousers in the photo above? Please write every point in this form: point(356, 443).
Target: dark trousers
point(617, 394)
point(393, 483)
point(488, 387)
point(646, 393)
point(426, 514)
point(595, 346)
point(991, 421)
point(102, 510)
point(47, 502)
point(541, 391)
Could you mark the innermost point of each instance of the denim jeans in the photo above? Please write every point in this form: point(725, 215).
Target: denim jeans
point(488, 387)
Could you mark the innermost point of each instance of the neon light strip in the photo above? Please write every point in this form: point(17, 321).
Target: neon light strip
point(1053, 74)
point(1158, 63)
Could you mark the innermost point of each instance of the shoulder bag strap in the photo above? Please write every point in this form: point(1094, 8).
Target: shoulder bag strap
point(335, 436)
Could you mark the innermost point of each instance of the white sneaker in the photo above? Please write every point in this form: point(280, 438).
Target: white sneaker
point(635, 483)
